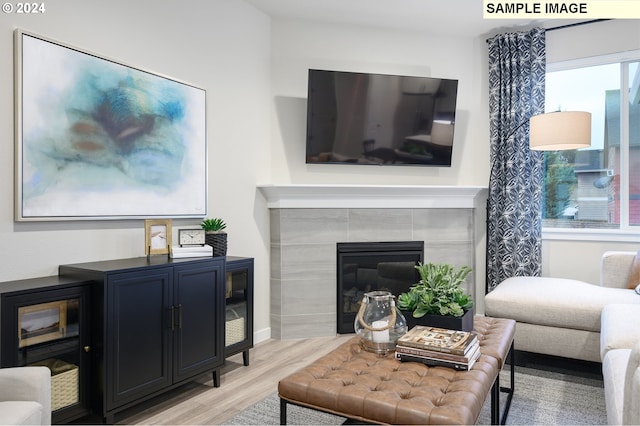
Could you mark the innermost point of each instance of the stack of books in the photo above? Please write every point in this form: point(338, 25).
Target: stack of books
point(191, 251)
point(439, 347)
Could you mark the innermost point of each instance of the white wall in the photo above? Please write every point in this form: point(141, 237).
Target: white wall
point(298, 46)
point(219, 45)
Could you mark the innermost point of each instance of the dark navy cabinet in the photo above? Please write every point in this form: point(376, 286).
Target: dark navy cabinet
point(156, 323)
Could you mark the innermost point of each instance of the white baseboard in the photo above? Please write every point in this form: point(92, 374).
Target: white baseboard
point(261, 335)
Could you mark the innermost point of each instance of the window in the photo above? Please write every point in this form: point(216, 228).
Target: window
point(596, 188)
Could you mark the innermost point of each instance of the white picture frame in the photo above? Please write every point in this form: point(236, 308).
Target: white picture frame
point(98, 139)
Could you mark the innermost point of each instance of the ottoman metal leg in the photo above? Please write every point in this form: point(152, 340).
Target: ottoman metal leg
point(283, 411)
point(496, 389)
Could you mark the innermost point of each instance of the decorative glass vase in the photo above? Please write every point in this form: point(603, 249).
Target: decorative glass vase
point(379, 322)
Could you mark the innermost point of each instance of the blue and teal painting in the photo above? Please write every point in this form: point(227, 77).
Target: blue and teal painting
point(100, 139)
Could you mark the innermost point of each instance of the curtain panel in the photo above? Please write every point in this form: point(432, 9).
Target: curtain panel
point(517, 64)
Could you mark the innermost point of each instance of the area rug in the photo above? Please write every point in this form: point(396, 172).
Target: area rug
point(541, 398)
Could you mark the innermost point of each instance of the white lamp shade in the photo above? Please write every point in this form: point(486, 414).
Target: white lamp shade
point(560, 130)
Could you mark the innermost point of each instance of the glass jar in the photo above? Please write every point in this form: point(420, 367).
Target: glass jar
point(379, 322)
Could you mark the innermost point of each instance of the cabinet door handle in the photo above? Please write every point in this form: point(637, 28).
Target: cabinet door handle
point(87, 348)
point(173, 315)
point(180, 316)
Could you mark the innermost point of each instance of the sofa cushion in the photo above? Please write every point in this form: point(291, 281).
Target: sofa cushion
point(20, 413)
point(615, 267)
point(617, 331)
point(555, 302)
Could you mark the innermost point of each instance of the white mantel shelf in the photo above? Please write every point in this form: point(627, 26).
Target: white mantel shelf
point(372, 196)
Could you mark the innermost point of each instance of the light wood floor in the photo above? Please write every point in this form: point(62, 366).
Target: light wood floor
point(199, 403)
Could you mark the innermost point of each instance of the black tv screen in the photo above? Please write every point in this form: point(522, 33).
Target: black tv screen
point(362, 118)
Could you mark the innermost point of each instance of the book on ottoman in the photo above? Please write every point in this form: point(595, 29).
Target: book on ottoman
point(465, 363)
point(407, 350)
point(439, 340)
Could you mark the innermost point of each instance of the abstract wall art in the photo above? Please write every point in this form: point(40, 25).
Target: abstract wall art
point(97, 139)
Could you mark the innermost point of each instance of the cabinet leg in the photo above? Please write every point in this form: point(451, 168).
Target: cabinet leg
point(216, 378)
point(245, 357)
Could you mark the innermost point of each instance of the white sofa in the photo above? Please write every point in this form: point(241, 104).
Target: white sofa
point(561, 317)
point(25, 396)
point(620, 351)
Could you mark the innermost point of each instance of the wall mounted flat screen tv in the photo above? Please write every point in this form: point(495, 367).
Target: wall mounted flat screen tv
point(362, 118)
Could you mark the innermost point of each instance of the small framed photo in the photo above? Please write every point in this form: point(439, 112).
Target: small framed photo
point(157, 234)
point(42, 323)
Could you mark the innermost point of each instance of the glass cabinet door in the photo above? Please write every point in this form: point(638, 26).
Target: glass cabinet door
point(239, 307)
point(236, 307)
point(47, 328)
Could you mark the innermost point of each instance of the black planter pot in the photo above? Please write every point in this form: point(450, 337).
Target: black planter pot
point(464, 323)
point(217, 240)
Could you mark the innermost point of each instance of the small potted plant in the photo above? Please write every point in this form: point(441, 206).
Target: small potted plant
point(438, 299)
point(215, 235)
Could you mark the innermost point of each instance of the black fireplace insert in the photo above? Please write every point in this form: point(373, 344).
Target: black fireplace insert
point(369, 266)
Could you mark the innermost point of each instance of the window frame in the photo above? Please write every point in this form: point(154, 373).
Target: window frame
point(626, 232)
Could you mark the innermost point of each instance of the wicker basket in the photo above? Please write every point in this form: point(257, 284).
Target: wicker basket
point(234, 328)
point(64, 383)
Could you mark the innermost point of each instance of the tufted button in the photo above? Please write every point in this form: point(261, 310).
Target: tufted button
point(356, 348)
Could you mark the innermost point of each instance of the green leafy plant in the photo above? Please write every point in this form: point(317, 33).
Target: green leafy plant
point(438, 292)
point(213, 225)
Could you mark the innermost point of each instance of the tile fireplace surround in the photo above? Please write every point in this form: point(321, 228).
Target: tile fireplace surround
point(308, 220)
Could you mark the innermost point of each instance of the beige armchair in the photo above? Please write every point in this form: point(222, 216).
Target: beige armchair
point(25, 396)
point(620, 349)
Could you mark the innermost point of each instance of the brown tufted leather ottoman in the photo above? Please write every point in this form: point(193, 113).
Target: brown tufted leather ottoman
point(361, 385)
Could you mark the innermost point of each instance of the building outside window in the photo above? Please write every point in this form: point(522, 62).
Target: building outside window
point(596, 188)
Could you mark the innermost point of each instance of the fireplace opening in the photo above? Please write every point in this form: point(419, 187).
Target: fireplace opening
point(369, 266)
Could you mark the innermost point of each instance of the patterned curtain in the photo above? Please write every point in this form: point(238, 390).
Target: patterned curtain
point(514, 208)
